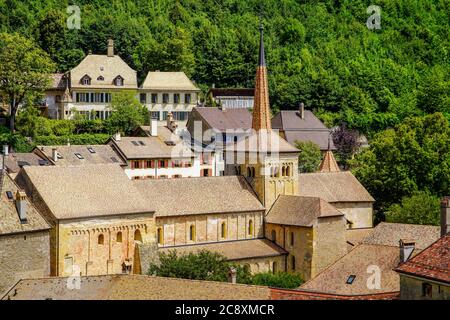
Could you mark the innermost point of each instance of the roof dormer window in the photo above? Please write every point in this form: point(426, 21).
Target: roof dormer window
point(86, 80)
point(118, 81)
point(100, 78)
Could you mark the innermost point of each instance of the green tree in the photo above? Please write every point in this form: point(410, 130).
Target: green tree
point(203, 265)
point(310, 156)
point(278, 280)
point(127, 113)
point(24, 71)
point(419, 208)
point(413, 156)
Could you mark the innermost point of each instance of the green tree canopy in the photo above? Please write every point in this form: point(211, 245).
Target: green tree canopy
point(419, 208)
point(127, 113)
point(24, 71)
point(310, 156)
point(278, 280)
point(413, 156)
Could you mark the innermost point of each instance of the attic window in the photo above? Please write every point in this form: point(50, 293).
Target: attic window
point(100, 78)
point(59, 156)
point(135, 143)
point(91, 150)
point(350, 279)
point(9, 194)
point(43, 162)
point(101, 68)
point(86, 80)
point(142, 143)
point(79, 156)
point(118, 81)
point(169, 143)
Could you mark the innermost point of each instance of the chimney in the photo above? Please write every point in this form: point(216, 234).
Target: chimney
point(21, 205)
point(153, 127)
point(232, 275)
point(445, 215)
point(117, 136)
point(406, 250)
point(55, 154)
point(5, 149)
point(110, 48)
point(302, 110)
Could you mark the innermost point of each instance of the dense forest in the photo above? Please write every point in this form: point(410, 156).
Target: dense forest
point(318, 52)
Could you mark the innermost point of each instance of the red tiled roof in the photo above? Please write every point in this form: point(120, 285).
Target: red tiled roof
point(432, 263)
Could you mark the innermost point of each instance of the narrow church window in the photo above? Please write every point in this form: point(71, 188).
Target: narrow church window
point(192, 233)
point(119, 237)
point(223, 230)
point(274, 267)
point(274, 236)
point(250, 227)
point(137, 236)
point(249, 172)
point(292, 238)
point(293, 262)
point(427, 290)
point(283, 171)
point(253, 172)
point(160, 236)
point(288, 171)
point(101, 239)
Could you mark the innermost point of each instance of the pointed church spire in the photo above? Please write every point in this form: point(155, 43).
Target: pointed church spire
point(261, 108)
point(329, 163)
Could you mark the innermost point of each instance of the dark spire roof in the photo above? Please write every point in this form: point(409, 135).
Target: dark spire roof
point(262, 58)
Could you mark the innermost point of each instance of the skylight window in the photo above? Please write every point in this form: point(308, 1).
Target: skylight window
point(9, 194)
point(142, 143)
point(350, 279)
point(170, 143)
point(42, 162)
point(79, 156)
point(91, 150)
point(59, 156)
point(135, 143)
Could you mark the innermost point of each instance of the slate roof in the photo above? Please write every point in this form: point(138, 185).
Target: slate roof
point(9, 217)
point(85, 191)
point(233, 250)
point(228, 119)
point(15, 161)
point(154, 147)
point(295, 128)
point(134, 287)
point(205, 195)
point(109, 68)
point(102, 154)
point(432, 263)
point(300, 211)
point(389, 234)
point(333, 187)
point(157, 80)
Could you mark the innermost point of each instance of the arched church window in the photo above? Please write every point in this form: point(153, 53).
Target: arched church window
point(223, 230)
point(274, 267)
point(249, 172)
point(119, 236)
point(101, 239)
point(288, 171)
point(137, 236)
point(192, 233)
point(283, 171)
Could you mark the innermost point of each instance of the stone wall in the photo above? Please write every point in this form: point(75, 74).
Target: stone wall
point(411, 289)
point(102, 245)
point(359, 213)
point(261, 265)
point(25, 255)
point(176, 230)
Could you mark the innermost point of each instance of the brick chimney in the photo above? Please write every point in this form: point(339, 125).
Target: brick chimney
point(55, 155)
point(110, 48)
point(232, 275)
point(406, 250)
point(445, 215)
point(302, 110)
point(21, 205)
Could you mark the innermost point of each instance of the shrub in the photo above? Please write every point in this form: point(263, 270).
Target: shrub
point(278, 280)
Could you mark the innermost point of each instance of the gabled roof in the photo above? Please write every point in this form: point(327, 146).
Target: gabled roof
point(300, 211)
point(9, 217)
point(134, 287)
point(333, 187)
point(15, 161)
point(228, 119)
point(157, 80)
point(166, 144)
point(72, 192)
point(95, 66)
point(206, 195)
point(432, 263)
point(80, 154)
point(389, 234)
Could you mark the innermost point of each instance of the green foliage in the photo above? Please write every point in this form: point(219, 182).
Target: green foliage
point(127, 113)
point(310, 156)
point(15, 140)
point(75, 139)
point(413, 156)
point(419, 208)
point(318, 52)
point(278, 280)
point(203, 265)
point(24, 71)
